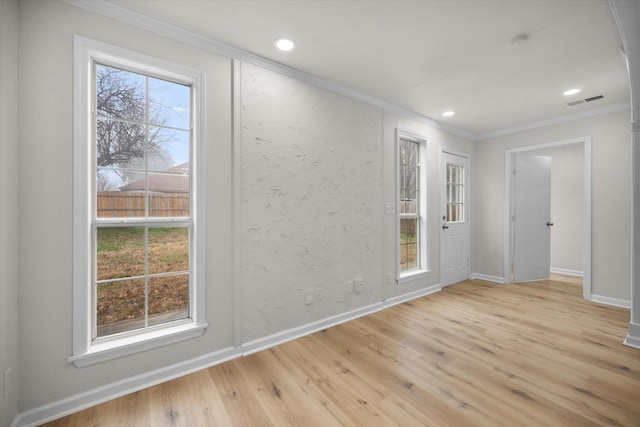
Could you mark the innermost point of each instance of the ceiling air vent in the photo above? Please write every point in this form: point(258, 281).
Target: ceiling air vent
point(582, 101)
point(594, 98)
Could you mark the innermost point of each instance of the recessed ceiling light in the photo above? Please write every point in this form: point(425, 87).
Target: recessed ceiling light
point(285, 44)
point(448, 113)
point(521, 39)
point(571, 92)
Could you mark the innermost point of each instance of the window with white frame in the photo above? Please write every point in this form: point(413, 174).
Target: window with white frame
point(138, 271)
point(411, 212)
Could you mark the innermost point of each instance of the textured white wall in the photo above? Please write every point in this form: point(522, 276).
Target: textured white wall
point(8, 208)
point(611, 187)
point(311, 197)
point(567, 205)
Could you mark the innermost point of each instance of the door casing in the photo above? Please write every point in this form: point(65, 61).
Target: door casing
point(508, 197)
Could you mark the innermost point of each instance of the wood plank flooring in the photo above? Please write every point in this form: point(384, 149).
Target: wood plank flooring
point(475, 354)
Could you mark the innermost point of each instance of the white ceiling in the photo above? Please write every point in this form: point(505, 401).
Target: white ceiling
point(434, 55)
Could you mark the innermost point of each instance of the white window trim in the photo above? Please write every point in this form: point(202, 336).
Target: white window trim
point(424, 271)
point(85, 351)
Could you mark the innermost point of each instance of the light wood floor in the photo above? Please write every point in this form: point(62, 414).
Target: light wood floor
point(475, 354)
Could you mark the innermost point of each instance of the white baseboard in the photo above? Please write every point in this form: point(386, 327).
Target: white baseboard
point(264, 343)
point(487, 278)
point(78, 402)
point(269, 341)
point(411, 295)
point(567, 272)
point(633, 336)
point(611, 301)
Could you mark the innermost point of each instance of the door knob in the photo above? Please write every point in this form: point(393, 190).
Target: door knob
point(549, 224)
point(444, 227)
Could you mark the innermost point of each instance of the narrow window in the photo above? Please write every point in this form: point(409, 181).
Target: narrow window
point(411, 206)
point(142, 223)
point(138, 273)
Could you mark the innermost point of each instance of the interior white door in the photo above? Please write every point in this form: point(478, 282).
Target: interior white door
point(454, 243)
point(531, 218)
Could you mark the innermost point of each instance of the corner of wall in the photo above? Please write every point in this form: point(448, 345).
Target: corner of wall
point(9, 375)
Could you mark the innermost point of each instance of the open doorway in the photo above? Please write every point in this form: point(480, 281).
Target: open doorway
point(570, 251)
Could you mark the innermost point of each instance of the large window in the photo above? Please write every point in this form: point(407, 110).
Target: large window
point(138, 273)
point(412, 258)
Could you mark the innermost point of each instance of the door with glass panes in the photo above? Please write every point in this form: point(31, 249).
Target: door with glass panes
point(454, 242)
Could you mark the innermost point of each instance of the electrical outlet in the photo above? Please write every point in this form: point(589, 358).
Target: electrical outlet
point(8, 374)
point(308, 297)
point(316, 295)
point(359, 284)
point(349, 285)
point(390, 208)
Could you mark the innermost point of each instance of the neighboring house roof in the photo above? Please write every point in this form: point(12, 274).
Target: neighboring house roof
point(173, 180)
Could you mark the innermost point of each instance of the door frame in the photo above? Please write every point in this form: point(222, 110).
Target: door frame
point(443, 201)
point(508, 206)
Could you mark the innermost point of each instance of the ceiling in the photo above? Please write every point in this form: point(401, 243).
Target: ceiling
point(434, 55)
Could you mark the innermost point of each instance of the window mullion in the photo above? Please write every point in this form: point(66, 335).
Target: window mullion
point(146, 277)
point(122, 237)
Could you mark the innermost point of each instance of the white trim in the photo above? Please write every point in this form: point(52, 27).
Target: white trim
point(423, 208)
point(85, 351)
point(633, 336)
point(555, 121)
point(567, 272)
point(486, 278)
point(133, 344)
point(611, 301)
point(95, 396)
point(412, 275)
point(145, 22)
point(508, 249)
point(282, 337)
point(390, 302)
point(236, 203)
point(443, 202)
point(455, 152)
point(81, 232)
point(165, 29)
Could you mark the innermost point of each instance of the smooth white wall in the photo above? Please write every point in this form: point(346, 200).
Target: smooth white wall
point(567, 205)
point(46, 30)
point(8, 208)
point(611, 205)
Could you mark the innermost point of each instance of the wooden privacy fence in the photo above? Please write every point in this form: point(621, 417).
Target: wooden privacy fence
point(123, 204)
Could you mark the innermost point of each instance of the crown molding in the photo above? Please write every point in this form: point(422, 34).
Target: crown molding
point(157, 26)
point(555, 121)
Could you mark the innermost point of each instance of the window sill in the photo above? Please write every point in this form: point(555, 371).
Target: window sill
point(118, 347)
point(413, 275)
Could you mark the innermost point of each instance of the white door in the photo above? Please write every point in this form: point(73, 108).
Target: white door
point(531, 218)
point(454, 243)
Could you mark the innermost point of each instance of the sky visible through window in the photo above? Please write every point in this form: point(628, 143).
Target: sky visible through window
point(127, 132)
